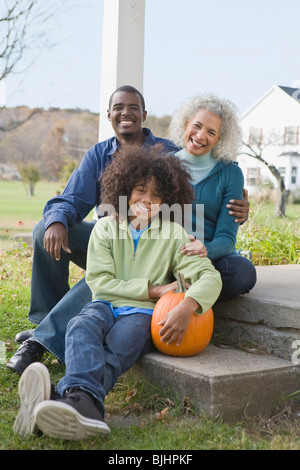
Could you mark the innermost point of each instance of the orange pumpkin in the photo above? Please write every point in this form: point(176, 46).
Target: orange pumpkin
point(198, 334)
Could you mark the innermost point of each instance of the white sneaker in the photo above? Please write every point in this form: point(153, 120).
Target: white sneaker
point(34, 387)
point(56, 418)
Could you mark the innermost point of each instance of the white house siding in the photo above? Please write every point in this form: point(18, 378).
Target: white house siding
point(275, 121)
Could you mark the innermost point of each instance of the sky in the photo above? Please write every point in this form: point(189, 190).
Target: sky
point(237, 49)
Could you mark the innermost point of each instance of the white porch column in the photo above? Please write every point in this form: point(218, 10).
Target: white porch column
point(122, 52)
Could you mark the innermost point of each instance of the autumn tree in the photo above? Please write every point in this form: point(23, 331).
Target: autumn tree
point(30, 176)
point(53, 152)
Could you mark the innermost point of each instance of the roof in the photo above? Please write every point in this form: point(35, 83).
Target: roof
point(293, 92)
point(290, 154)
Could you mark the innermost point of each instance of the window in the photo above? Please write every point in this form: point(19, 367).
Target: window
point(253, 176)
point(255, 136)
point(294, 175)
point(291, 135)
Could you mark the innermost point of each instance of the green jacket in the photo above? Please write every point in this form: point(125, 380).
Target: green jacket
point(118, 274)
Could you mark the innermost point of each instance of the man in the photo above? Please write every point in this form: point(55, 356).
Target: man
point(62, 236)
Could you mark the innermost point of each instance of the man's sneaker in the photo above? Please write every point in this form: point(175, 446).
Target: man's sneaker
point(34, 387)
point(30, 351)
point(74, 417)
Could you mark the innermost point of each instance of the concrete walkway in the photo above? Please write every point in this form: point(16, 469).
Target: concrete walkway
point(230, 383)
point(278, 284)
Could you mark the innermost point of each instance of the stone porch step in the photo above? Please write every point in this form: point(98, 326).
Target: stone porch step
point(268, 317)
point(231, 383)
point(223, 382)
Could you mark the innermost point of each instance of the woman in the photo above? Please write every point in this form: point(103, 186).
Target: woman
point(208, 130)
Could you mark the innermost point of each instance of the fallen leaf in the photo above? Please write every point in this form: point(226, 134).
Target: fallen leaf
point(161, 414)
point(131, 394)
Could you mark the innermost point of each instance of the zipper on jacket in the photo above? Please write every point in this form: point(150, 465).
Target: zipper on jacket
point(134, 251)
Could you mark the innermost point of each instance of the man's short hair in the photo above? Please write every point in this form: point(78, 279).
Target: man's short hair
point(128, 89)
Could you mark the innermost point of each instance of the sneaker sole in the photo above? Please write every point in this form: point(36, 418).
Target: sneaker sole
point(60, 420)
point(34, 387)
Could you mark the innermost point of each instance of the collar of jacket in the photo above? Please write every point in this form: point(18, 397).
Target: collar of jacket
point(218, 167)
point(155, 225)
point(147, 133)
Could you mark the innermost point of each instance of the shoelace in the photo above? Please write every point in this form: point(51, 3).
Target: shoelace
point(72, 393)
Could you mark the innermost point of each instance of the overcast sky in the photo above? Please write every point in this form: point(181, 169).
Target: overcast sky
point(238, 49)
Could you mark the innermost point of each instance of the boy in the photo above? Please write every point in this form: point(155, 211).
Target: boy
point(130, 256)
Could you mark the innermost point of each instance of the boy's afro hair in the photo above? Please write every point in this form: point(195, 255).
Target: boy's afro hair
point(134, 164)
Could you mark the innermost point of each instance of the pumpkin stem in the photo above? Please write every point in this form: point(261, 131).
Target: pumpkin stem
point(180, 282)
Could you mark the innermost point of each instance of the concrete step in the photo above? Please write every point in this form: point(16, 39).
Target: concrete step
point(268, 318)
point(224, 382)
point(231, 383)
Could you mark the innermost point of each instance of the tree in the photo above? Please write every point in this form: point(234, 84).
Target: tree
point(256, 151)
point(30, 175)
point(22, 26)
point(53, 151)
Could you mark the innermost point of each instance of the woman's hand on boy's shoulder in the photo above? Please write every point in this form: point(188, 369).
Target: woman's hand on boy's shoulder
point(194, 247)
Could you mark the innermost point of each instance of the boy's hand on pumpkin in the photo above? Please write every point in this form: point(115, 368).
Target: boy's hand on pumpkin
point(195, 247)
point(176, 321)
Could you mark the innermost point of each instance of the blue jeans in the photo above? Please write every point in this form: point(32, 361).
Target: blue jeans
point(53, 303)
point(238, 276)
point(100, 348)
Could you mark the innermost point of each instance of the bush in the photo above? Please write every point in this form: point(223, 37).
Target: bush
point(270, 245)
point(271, 240)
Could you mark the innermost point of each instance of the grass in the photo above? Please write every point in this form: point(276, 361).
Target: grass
point(272, 240)
point(16, 206)
point(141, 417)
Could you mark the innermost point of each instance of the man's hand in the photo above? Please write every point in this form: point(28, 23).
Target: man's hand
point(239, 208)
point(56, 237)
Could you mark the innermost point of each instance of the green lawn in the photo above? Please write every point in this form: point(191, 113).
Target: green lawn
point(263, 214)
point(16, 206)
point(18, 213)
point(140, 416)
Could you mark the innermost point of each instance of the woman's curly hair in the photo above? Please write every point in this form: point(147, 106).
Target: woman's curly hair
point(230, 140)
point(135, 164)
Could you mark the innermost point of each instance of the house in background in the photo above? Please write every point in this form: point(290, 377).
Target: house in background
point(273, 125)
